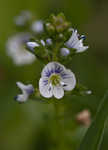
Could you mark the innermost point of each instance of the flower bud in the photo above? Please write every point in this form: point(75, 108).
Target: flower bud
point(31, 45)
point(49, 41)
point(23, 18)
point(84, 118)
point(37, 27)
point(50, 28)
point(64, 51)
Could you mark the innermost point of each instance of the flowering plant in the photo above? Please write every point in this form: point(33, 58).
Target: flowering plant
point(54, 42)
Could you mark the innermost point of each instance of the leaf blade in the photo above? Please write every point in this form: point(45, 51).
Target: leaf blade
point(94, 134)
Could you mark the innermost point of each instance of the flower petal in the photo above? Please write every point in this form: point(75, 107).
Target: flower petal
point(73, 39)
point(16, 50)
point(82, 49)
point(20, 85)
point(45, 88)
point(69, 80)
point(51, 68)
point(27, 90)
point(21, 97)
point(79, 46)
point(76, 43)
point(58, 92)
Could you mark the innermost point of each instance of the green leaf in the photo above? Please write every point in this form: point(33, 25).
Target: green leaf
point(94, 135)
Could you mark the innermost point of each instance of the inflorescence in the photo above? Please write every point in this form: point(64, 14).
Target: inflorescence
point(53, 42)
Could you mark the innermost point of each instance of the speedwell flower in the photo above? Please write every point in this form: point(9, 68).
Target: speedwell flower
point(55, 78)
point(23, 18)
point(17, 51)
point(76, 42)
point(27, 90)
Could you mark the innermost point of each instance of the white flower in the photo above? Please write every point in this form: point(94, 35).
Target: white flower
point(23, 18)
point(55, 78)
point(27, 90)
point(64, 51)
point(76, 42)
point(16, 49)
point(37, 27)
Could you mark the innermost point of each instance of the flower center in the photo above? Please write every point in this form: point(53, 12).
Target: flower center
point(54, 79)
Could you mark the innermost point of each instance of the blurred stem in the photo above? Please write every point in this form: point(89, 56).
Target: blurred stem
point(59, 128)
point(55, 50)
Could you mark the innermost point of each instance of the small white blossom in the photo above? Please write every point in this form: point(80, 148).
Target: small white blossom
point(32, 45)
point(55, 78)
point(76, 42)
point(23, 18)
point(27, 90)
point(16, 49)
point(65, 51)
point(37, 27)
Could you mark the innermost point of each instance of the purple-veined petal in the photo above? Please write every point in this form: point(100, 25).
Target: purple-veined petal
point(45, 89)
point(69, 81)
point(58, 92)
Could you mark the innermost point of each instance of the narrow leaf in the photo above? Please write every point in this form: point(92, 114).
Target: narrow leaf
point(94, 135)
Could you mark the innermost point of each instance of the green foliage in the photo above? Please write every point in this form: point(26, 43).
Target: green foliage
point(94, 135)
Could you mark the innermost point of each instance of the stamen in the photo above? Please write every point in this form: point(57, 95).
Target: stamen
point(83, 37)
point(63, 84)
point(54, 79)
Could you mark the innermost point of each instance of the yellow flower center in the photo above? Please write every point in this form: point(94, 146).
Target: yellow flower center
point(54, 79)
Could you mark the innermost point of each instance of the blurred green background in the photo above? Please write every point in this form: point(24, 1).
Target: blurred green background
point(31, 126)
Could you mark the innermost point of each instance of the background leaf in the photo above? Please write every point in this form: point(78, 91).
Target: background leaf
point(94, 135)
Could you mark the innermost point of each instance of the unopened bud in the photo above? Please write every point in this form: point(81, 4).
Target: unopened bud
point(64, 51)
point(84, 117)
point(37, 27)
point(32, 45)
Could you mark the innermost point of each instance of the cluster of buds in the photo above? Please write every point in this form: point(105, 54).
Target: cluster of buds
point(53, 42)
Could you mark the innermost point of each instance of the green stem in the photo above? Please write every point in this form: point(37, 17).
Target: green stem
point(59, 128)
point(55, 50)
